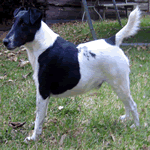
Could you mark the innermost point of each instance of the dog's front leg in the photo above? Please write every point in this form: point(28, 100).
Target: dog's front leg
point(41, 107)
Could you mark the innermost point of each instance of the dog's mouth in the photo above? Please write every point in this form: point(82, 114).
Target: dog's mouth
point(10, 47)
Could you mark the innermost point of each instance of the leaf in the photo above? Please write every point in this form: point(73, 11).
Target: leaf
point(10, 80)
point(6, 51)
point(25, 76)
point(138, 48)
point(15, 125)
point(3, 77)
point(10, 54)
point(54, 120)
point(62, 139)
point(113, 137)
point(15, 59)
point(23, 63)
point(23, 49)
point(144, 47)
point(145, 124)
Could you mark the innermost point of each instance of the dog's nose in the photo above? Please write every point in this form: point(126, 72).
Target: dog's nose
point(5, 41)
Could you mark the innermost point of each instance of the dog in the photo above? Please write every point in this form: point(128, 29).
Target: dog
point(62, 69)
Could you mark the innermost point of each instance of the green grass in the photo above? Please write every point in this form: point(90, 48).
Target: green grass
point(79, 32)
point(89, 121)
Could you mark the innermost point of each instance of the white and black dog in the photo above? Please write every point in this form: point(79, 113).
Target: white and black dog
point(62, 69)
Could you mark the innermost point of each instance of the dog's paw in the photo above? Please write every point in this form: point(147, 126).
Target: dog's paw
point(29, 138)
point(132, 126)
point(122, 118)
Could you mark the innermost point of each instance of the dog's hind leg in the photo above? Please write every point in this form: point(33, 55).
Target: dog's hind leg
point(41, 108)
point(45, 120)
point(120, 84)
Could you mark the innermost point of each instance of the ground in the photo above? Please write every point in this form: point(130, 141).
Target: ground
point(89, 121)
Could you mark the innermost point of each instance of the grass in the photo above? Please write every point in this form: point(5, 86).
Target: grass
point(79, 32)
point(89, 121)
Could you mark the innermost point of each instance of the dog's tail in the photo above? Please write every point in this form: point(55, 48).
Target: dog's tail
point(130, 28)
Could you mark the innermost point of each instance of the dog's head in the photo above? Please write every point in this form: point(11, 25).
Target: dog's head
point(26, 24)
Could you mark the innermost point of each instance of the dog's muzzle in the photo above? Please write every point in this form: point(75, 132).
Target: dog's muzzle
point(8, 44)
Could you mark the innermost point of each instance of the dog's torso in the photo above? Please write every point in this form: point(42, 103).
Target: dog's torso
point(96, 64)
point(63, 69)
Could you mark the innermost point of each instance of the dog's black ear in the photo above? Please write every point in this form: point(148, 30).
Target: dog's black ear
point(18, 10)
point(35, 15)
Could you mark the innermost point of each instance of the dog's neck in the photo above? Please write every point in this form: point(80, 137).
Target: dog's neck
point(44, 38)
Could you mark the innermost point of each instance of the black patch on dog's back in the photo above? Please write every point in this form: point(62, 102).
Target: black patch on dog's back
point(111, 40)
point(92, 54)
point(88, 53)
point(58, 68)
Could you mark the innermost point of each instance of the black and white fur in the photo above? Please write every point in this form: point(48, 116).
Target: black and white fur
point(62, 69)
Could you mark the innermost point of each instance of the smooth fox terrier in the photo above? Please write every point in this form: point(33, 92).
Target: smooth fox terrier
point(63, 69)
